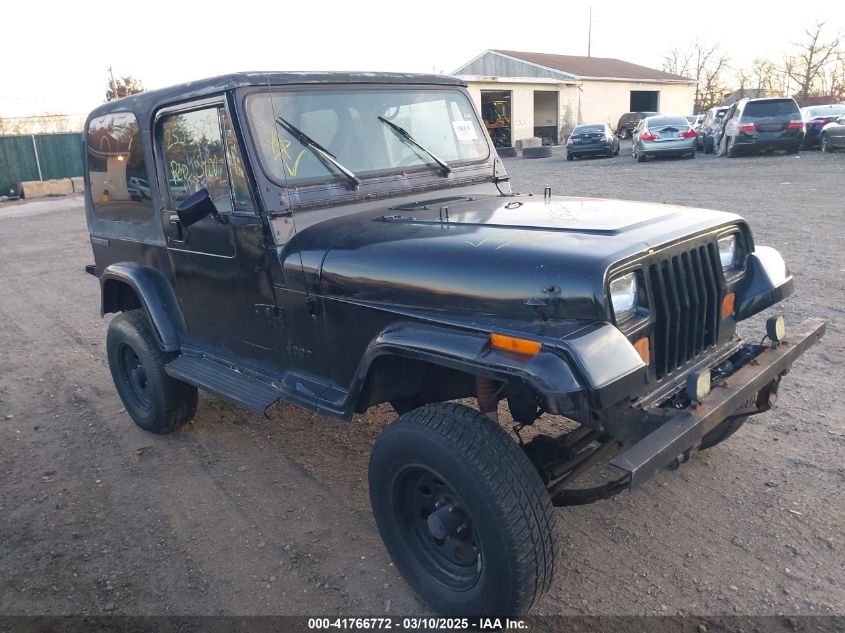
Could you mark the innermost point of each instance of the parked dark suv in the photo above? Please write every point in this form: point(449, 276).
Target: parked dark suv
point(754, 125)
point(629, 121)
point(343, 240)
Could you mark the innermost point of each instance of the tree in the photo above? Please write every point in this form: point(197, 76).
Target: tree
point(122, 87)
point(765, 75)
point(812, 60)
point(704, 63)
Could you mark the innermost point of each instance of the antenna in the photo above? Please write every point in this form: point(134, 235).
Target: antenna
point(590, 32)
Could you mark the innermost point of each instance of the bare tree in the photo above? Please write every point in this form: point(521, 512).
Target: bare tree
point(122, 87)
point(813, 57)
point(706, 64)
point(765, 75)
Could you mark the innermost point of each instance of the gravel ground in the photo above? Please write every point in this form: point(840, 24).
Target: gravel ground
point(235, 514)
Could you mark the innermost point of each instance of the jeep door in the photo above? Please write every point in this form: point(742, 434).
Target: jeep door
point(220, 263)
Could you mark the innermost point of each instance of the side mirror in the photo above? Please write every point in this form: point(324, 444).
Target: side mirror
point(195, 207)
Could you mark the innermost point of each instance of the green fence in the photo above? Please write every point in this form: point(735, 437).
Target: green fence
point(39, 157)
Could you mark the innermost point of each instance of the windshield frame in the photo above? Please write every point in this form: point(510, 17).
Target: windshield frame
point(330, 180)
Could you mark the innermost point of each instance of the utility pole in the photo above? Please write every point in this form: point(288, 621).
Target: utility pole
point(590, 32)
point(113, 84)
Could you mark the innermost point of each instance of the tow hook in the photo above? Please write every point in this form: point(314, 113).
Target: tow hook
point(683, 458)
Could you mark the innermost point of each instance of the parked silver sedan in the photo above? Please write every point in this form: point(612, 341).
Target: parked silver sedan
point(663, 135)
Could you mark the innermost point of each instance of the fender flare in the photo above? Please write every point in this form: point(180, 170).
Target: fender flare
point(155, 296)
point(547, 373)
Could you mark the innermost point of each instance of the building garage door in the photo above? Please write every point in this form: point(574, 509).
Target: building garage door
point(645, 101)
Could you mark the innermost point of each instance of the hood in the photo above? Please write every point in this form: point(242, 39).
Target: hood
point(517, 256)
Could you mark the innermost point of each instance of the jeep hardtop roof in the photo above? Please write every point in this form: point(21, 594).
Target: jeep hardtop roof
point(145, 103)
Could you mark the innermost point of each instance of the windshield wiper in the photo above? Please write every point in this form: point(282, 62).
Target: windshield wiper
point(324, 155)
point(445, 170)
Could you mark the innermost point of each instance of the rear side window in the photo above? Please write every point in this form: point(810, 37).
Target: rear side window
point(117, 173)
point(771, 107)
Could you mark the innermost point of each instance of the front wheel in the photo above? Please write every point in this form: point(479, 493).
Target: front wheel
point(155, 401)
point(462, 512)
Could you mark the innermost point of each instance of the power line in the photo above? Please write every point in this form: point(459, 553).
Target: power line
point(41, 116)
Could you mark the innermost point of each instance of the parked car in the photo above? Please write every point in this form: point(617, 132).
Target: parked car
point(591, 139)
point(710, 124)
point(386, 260)
point(628, 122)
point(663, 135)
point(755, 125)
point(815, 118)
point(833, 135)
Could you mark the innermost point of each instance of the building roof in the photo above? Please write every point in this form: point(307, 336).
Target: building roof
point(747, 93)
point(577, 67)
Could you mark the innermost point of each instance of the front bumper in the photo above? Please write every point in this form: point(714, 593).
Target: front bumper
point(683, 429)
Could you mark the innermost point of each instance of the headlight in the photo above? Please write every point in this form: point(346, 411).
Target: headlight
point(623, 296)
point(728, 252)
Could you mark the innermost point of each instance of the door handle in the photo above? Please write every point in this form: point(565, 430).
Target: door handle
point(177, 231)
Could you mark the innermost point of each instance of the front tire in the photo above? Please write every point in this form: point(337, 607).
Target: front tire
point(462, 512)
point(155, 401)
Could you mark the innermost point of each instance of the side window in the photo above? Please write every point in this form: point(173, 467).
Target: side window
point(196, 156)
point(117, 173)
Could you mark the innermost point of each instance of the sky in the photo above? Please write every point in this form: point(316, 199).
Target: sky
point(57, 55)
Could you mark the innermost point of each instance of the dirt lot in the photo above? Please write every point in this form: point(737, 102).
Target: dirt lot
point(235, 514)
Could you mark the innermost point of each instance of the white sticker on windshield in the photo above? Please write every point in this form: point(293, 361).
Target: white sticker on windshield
point(464, 130)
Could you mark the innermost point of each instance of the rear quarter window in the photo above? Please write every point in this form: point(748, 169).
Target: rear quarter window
point(117, 172)
point(770, 108)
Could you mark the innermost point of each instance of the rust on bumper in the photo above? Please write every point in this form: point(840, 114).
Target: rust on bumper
point(684, 429)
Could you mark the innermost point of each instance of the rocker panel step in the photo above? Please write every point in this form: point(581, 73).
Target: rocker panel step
point(228, 383)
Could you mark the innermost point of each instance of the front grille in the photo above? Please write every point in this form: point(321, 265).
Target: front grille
point(686, 289)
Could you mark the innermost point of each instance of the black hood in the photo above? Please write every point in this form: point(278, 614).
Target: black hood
point(493, 255)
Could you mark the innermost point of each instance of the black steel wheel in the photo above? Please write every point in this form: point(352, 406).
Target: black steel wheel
point(155, 401)
point(462, 512)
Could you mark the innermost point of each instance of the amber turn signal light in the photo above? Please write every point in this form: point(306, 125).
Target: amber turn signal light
point(643, 349)
point(728, 305)
point(512, 344)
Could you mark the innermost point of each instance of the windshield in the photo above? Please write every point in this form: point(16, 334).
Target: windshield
point(665, 121)
point(588, 129)
point(346, 124)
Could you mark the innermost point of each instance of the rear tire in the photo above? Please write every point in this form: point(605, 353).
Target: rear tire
point(825, 144)
point(570, 157)
point(731, 151)
point(155, 401)
point(640, 157)
point(462, 512)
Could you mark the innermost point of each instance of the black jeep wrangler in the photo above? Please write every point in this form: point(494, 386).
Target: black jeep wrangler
point(344, 240)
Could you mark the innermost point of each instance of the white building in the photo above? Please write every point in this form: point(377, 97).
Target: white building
point(538, 94)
